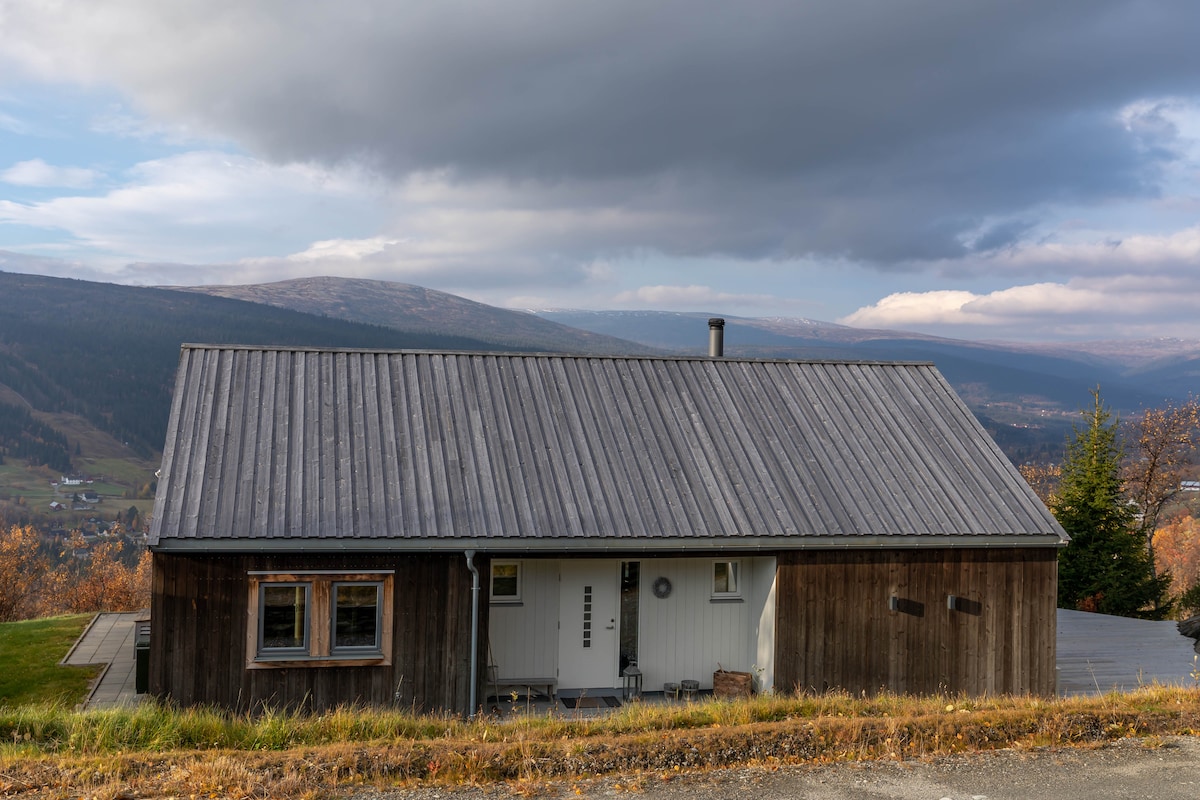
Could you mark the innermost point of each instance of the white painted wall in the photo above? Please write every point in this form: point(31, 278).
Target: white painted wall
point(763, 570)
point(524, 637)
point(686, 635)
point(689, 635)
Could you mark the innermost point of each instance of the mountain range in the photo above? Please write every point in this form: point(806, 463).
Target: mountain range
point(94, 362)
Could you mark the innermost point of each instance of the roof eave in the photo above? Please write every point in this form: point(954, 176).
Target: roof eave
point(575, 546)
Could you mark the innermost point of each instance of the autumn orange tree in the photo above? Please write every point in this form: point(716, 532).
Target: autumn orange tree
point(1043, 479)
point(1162, 445)
point(31, 586)
point(24, 569)
point(1177, 545)
point(102, 582)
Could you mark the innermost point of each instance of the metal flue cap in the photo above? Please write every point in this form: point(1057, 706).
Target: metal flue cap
point(716, 337)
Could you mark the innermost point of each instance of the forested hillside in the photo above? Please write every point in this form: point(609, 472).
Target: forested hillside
point(108, 353)
point(23, 437)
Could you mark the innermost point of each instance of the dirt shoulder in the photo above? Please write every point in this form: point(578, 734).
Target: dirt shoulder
point(1165, 768)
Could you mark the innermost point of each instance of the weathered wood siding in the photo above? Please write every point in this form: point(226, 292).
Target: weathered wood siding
point(198, 640)
point(835, 627)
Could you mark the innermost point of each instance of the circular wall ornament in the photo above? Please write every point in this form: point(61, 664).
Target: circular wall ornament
point(661, 587)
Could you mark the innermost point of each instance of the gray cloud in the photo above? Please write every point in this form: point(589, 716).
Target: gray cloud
point(884, 132)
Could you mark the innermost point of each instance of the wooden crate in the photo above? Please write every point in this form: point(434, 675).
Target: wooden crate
point(728, 683)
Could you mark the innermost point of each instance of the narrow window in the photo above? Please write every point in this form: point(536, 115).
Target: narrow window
point(631, 588)
point(356, 616)
point(283, 618)
point(725, 579)
point(506, 581)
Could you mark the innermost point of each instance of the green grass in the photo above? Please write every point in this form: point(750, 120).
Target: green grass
point(32, 485)
point(127, 472)
point(29, 656)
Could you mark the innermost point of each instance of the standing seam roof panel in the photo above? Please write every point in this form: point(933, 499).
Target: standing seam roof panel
point(295, 443)
point(779, 440)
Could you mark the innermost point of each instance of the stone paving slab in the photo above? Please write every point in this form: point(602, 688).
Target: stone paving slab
point(108, 639)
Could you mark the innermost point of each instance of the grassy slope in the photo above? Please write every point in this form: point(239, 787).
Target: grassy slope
point(151, 750)
point(29, 656)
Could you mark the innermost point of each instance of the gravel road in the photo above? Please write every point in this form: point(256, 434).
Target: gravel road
point(1157, 769)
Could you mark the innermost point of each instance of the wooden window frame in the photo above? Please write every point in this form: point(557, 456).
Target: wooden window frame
point(320, 651)
point(505, 599)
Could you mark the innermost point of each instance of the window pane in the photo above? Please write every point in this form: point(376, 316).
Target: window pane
point(356, 615)
point(505, 580)
point(725, 577)
point(284, 617)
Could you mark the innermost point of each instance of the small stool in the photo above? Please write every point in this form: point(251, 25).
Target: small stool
point(671, 690)
point(689, 687)
point(633, 682)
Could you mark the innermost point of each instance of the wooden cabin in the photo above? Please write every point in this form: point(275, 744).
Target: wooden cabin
point(382, 527)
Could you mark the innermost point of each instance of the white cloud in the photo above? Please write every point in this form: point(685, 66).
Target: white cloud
point(205, 206)
point(680, 297)
point(120, 122)
point(1093, 308)
point(13, 125)
point(36, 172)
point(913, 309)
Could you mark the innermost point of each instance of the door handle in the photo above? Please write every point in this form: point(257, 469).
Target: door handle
point(612, 624)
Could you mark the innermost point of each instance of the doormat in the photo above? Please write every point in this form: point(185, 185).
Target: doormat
point(591, 702)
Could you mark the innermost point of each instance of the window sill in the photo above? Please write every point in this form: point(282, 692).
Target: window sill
point(726, 600)
point(304, 662)
point(506, 603)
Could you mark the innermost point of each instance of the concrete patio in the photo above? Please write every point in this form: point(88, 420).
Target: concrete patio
point(1099, 653)
point(1096, 654)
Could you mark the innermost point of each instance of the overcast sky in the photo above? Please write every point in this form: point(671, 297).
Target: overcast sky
point(990, 169)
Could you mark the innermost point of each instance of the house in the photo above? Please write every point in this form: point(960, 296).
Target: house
point(336, 526)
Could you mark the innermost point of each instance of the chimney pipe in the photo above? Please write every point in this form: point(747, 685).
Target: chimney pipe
point(716, 337)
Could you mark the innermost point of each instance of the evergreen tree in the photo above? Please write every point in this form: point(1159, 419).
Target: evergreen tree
point(1106, 567)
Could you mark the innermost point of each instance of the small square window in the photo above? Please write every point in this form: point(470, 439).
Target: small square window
point(725, 579)
point(356, 616)
point(506, 581)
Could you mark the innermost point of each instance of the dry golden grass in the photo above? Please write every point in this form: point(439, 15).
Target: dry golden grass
point(161, 752)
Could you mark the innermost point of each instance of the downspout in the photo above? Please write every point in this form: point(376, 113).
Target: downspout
point(474, 629)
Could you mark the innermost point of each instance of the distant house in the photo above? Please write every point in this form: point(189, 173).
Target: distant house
point(338, 526)
point(57, 506)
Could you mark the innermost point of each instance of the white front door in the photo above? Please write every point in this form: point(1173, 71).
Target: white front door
point(588, 634)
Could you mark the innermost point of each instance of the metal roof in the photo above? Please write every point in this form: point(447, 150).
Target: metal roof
point(293, 448)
